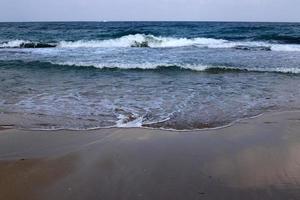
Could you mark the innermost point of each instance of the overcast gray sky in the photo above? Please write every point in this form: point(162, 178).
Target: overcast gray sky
point(199, 10)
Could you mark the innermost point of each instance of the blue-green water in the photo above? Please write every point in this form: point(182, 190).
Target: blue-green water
point(177, 75)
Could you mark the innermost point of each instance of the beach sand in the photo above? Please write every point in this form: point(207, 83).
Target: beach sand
point(253, 159)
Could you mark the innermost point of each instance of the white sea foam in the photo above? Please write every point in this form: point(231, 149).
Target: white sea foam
point(285, 47)
point(114, 65)
point(123, 122)
point(13, 44)
point(144, 66)
point(152, 41)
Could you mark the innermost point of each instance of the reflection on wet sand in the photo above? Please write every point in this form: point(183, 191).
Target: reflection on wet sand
point(253, 159)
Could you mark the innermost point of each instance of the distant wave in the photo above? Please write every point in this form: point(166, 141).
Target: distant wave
point(280, 38)
point(142, 40)
point(152, 41)
point(26, 44)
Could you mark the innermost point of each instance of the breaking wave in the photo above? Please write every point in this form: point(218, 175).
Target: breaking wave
point(150, 40)
point(26, 44)
point(143, 40)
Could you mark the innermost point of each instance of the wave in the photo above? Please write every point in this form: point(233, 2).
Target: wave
point(190, 67)
point(13, 44)
point(142, 40)
point(26, 44)
point(149, 67)
point(152, 41)
point(286, 39)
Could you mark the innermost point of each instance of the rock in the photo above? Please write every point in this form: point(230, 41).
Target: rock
point(143, 44)
point(257, 48)
point(36, 45)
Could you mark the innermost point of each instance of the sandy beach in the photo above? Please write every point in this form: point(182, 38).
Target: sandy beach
point(253, 159)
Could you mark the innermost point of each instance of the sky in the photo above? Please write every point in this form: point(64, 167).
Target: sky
point(150, 10)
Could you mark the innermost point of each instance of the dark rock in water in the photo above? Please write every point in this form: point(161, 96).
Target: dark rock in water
point(42, 45)
point(248, 48)
point(266, 48)
point(242, 48)
point(140, 44)
point(37, 45)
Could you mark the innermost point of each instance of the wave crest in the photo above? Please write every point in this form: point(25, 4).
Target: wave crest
point(152, 41)
point(143, 40)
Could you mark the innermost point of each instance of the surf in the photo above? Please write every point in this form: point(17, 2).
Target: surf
point(151, 41)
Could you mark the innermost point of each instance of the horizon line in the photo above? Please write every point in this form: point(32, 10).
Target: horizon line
point(224, 21)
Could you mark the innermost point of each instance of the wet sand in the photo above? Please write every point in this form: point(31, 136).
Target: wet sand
point(253, 159)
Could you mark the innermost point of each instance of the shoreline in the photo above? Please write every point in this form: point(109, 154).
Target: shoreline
point(255, 158)
point(268, 112)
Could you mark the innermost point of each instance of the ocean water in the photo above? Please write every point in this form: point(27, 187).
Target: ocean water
point(171, 75)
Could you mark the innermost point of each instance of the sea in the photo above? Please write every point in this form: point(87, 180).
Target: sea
point(163, 75)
